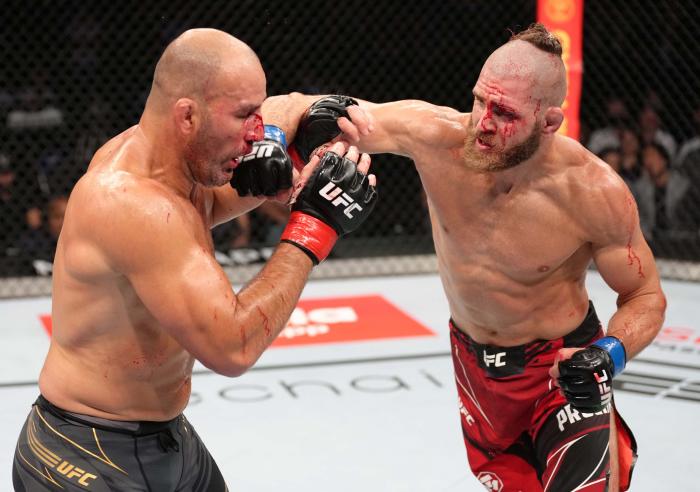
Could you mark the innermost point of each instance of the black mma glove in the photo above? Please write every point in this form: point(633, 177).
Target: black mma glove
point(335, 201)
point(267, 170)
point(319, 124)
point(586, 378)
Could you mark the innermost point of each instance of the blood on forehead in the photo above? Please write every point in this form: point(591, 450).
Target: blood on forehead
point(494, 93)
point(508, 82)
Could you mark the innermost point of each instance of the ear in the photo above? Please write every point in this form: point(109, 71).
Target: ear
point(186, 114)
point(553, 118)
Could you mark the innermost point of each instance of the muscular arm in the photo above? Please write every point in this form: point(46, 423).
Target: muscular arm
point(228, 205)
point(401, 127)
point(398, 127)
point(626, 263)
point(184, 288)
point(285, 111)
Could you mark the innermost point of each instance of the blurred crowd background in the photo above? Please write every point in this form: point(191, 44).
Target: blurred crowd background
point(76, 73)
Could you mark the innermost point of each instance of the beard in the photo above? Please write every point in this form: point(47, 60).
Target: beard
point(498, 161)
point(206, 169)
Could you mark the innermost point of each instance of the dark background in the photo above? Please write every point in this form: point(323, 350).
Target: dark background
point(93, 61)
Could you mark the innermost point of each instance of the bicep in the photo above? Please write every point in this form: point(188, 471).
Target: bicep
point(623, 257)
point(182, 287)
point(179, 293)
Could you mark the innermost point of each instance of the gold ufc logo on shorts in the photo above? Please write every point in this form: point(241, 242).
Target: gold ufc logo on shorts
point(72, 471)
point(337, 196)
point(53, 461)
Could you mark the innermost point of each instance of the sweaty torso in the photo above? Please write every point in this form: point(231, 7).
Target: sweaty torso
point(512, 256)
point(108, 356)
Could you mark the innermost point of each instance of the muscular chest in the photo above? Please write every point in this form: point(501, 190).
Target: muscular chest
point(522, 233)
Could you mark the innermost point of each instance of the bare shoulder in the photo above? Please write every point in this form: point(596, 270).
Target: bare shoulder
point(599, 197)
point(127, 216)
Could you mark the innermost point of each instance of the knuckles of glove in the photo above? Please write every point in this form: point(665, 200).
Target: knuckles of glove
point(266, 172)
point(337, 194)
point(586, 379)
point(319, 124)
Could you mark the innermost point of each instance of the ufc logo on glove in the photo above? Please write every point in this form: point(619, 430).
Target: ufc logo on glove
point(261, 151)
point(337, 196)
point(603, 387)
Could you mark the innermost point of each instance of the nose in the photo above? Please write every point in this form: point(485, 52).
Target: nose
point(486, 123)
point(254, 128)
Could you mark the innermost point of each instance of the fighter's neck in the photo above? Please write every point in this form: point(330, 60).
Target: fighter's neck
point(163, 162)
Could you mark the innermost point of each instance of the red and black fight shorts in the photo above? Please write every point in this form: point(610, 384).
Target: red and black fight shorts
point(519, 431)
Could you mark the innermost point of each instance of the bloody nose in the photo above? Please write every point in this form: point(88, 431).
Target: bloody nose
point(254, 128)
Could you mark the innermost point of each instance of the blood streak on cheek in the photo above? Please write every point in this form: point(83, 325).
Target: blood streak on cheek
point(508, 131)
point(538, 107)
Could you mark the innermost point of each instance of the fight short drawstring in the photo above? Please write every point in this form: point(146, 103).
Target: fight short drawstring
point(166, 441)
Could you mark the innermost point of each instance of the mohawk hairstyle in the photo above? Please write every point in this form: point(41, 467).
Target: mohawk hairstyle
point(538, 35)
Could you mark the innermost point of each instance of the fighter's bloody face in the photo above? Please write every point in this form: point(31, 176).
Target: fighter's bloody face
point(224, 136)
point(504, 127)
point(230, 123)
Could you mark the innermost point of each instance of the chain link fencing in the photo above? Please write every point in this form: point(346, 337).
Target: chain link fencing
point(77, 73)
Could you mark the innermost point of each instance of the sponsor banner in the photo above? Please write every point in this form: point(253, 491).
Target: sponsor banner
point(348, 319)
point(338, 319)
point(675, 344)
point(564, 18)
point(46, 322)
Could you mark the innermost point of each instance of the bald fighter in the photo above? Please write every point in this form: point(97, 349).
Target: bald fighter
point(518, 212)
point(137, 294)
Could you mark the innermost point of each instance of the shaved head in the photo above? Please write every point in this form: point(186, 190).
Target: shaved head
point(204, 105)
point(517, 101)
point(544, 72)
point(194, 63)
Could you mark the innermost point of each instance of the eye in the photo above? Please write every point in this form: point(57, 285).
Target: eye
point(505, 113)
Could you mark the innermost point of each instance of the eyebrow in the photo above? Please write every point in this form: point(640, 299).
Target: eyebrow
point(248, 107)
point(503, 107)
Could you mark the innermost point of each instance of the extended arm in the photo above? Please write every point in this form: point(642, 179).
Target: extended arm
point(396, 127)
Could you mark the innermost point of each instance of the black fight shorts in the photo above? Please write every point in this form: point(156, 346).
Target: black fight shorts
point(60, 450)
